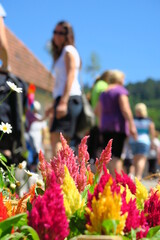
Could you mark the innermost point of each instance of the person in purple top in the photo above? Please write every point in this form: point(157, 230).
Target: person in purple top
point(116, 119)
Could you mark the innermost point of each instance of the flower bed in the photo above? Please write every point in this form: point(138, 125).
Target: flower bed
point(77, 204)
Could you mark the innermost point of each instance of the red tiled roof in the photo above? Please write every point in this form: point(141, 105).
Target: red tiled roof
point(25, 65)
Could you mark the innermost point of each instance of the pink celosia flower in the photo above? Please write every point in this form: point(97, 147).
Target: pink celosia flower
point(104, 158)
point(65, 156)
point(124, 180)
point(77, 167)
point(44, 166)
point(83, 155)
point(48, 216)
point(82, 177)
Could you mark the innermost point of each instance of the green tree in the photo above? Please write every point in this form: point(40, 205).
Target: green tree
point(94, 65)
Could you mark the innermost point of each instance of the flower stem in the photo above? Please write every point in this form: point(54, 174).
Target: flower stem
point(8, 170)
point(1, 136)
point(6, 97)
point(23, 183)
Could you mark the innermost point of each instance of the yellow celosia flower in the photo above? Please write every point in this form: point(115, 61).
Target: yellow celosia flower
point(107, 207)
point(72, 198)
point(141, 193)
point(129, 195)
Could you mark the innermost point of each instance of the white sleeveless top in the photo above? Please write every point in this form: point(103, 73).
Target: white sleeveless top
point(61, 76)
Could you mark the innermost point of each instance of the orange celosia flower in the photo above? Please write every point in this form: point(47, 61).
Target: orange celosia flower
point(90, 178)
point(32, 192)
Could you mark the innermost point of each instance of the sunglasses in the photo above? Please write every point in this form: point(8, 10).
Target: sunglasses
point(59, 33)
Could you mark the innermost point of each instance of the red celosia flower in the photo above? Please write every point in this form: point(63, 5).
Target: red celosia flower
point(124, 180)
point(3, 209)
point(48, 216)
point(152, 210)
point(104, 158)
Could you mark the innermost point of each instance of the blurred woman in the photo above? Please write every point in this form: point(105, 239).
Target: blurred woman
point(116, 120)
point(95, 139)
point(146, 133)
point(66, 92)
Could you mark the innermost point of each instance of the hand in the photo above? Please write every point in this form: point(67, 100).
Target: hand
point(133, 132)
point(61, 110)
point(49, 111)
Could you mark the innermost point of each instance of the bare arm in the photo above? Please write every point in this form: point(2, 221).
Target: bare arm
point(152, 132)
point(127, 114)
point(70, 70)
point(3, 44)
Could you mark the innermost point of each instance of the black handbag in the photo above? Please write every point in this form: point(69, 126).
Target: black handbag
point(87, 118)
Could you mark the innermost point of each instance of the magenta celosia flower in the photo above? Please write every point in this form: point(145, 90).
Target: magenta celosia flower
point(135, 218)
point(48, 216)
point(124, 180)
point(152, 210)
point(144, 227)
point(104, 158)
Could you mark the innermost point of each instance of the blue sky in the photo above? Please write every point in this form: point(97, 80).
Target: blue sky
point(124, 34)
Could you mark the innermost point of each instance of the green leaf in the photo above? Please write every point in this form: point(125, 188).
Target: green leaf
point(29, 206)
point(153, 231)
point(77, 223)
point(125, 238)
point(84, 194)
point(133, 234)
point(110, 226)
point(30, 230)
point(15, 236)
point(2, 182)
point(17, 220)
point(3, 158)
point(39, 191)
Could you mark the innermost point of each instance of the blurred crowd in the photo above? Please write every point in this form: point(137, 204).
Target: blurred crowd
point(136, 143)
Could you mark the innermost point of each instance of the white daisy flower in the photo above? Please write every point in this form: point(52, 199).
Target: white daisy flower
point(28, 173)
point(5, 127)
point(14, 87)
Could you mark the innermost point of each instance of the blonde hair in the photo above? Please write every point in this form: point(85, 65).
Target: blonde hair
point(141, 109)
point(116, 76)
